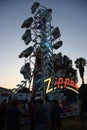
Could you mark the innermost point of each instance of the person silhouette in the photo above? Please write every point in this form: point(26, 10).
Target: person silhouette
point(56, 112)
point(13, 114)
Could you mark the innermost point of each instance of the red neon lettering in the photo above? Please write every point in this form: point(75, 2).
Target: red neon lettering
point(76, 86)
point(72, 83)
point(58, 82)
point(66, 82)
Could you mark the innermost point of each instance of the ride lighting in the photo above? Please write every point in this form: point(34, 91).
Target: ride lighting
point(58, 44)
point(56, 33)
point(27, 52)
point(27, 37)
point(27, 23)
point(34, 7)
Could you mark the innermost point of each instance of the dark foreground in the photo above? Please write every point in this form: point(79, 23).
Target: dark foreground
point(67, 124)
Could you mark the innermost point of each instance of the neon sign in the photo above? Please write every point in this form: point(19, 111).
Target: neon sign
point(65, 83)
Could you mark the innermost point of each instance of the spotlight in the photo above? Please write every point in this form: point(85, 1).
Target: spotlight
point(34, 7)
point(19, 85)
point(56, 33)
point(26, 71)
point(27, 37)
point(37, 52)
point(27, 23)
point(58, 44)
point(49, 10)
point(23, 81)
point(27, 52)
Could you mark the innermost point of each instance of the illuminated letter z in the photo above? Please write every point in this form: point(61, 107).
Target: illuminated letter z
point(48, 89)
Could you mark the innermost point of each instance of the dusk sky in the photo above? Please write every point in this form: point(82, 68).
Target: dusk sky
point(69, 15)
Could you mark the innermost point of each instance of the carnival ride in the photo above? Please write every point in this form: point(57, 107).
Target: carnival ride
point(40, 61)
point(42, 38)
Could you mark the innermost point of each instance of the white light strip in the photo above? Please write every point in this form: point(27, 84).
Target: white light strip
point(72, 89)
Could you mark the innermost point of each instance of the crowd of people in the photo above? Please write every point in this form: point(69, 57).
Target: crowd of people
point(44, 115)
point(9, 115)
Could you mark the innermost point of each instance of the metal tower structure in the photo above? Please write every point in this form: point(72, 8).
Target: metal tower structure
point(43, 18)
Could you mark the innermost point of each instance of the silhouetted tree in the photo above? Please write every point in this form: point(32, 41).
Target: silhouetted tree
point(63, 67)
point(80, 64)
point(70, 72)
